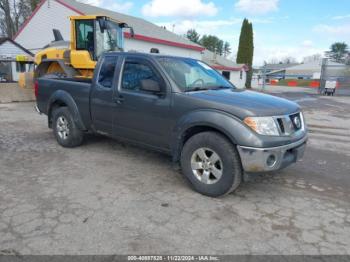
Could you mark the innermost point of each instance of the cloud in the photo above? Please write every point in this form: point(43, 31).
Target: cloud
point(334, 32)
point(340, 17)
point(278, 52)
point(307, 43)
point(118, 6)
point(257, 6)
point(182, 8)
point(215, 27)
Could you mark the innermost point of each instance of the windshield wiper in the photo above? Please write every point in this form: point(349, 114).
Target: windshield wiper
point(196, 89)
point(208, 88)
point(219, 87)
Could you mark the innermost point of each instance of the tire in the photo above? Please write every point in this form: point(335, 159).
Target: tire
point(226, 160)
point(64, 128)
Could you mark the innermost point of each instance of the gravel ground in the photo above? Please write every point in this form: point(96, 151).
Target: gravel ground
point(106, 197)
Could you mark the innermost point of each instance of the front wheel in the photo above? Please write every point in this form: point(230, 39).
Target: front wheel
point(65, 130)
point(211, 164)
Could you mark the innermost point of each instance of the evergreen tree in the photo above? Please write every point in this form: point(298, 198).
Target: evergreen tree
point(227, 49)
point(193, 35)
point(210, 42)
point(213, 43)
point(220, 47)
point(246, 49)
point(338, 52)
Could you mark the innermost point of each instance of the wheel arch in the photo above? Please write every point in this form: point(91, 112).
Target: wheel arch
point(43, 67)
point(59, 99)
point(201, 121)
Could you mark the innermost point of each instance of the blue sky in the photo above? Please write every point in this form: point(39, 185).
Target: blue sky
point(282, 28)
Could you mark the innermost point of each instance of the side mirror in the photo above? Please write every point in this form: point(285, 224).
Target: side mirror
point(150, 85)
point(124, 25)
point(132, 33)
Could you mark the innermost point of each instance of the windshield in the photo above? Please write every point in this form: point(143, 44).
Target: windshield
point(193, 75)
point(110, 40)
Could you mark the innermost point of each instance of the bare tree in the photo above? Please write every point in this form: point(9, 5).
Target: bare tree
point(6, 22)
point(312, 58)
point(273, 61)
point(289, 60)
point(13, 13)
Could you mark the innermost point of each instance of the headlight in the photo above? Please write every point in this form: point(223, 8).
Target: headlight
point(262, 125)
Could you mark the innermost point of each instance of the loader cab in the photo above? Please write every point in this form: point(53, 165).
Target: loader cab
point(97, 34)
point(90, 37)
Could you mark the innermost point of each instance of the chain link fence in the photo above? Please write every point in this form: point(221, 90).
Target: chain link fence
point(335, 74)
point(325, 76)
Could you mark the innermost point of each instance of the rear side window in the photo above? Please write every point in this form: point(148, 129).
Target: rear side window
point(106, 75)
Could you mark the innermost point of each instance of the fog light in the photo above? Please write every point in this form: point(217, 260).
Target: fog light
point(271, 161)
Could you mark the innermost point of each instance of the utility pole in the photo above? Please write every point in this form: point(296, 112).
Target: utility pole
point(264, 76)
point(323, 75)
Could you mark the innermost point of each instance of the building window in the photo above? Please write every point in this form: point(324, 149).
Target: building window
point(20, 67)
point(241, 74)
point(226, 74)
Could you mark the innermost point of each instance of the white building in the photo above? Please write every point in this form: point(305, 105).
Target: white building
point(312, 70)
point(309, 70)
point(236, 73)
point(10, 68)
point(53, 14)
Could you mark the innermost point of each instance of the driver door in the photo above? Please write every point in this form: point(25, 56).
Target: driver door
point(140, 115)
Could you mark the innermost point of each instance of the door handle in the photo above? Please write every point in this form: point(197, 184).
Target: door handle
point(119, 99)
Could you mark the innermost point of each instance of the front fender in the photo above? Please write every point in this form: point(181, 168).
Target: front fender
point(63, 97)
point(229, 125)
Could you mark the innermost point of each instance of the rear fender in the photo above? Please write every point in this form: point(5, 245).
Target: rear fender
point(63, 98)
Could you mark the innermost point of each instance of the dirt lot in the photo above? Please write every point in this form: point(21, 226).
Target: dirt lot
point(105, 197)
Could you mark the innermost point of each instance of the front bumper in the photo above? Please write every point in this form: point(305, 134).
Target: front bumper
point(270, 159)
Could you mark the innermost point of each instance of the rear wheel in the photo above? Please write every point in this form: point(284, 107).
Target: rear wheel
point(211, 164)
point(65, 130)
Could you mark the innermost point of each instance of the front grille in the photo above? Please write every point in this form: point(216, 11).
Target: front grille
point(290, 124)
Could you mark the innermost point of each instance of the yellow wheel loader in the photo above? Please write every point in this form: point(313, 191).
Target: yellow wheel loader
point(91, 35)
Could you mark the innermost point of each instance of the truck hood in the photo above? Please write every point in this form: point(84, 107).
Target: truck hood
point(243, 103)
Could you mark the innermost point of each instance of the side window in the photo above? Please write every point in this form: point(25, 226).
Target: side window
point(85, 35)
point(136, 71)
point(105, 77)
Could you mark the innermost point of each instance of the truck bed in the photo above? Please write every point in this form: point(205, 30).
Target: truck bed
point(76, 88)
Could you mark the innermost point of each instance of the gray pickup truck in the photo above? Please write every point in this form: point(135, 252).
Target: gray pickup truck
point(182, 107)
